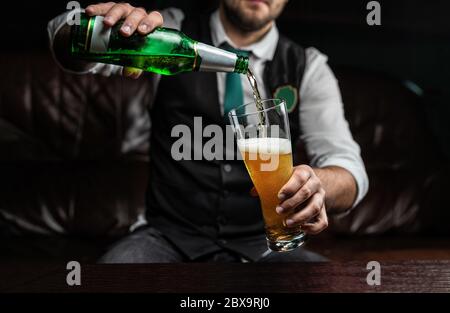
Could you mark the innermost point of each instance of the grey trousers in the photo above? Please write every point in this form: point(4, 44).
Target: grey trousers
point(148, 245)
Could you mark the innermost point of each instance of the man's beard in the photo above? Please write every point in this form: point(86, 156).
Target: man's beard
point(243, 22)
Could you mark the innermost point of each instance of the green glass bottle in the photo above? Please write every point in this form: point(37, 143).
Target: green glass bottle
point(164, 51)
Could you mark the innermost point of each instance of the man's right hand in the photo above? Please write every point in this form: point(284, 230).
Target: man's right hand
point(136, 19)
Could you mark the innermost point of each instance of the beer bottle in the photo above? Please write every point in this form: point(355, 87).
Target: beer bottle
point(164, 51)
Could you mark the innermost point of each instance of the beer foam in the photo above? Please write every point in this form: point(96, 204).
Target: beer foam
point(265, 145)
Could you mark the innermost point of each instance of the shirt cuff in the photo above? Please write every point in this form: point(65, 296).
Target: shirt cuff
point(358, 172)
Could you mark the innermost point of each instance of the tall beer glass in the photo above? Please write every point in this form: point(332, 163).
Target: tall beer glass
point(263, 139)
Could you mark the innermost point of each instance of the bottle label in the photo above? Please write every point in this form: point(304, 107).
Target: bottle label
point(100, 35)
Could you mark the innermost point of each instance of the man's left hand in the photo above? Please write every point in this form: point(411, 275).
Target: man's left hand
point(302, 198)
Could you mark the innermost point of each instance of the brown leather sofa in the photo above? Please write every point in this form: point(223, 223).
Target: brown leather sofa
point(73, 159)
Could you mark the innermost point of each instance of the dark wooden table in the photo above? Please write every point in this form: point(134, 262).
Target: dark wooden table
point(407, 276)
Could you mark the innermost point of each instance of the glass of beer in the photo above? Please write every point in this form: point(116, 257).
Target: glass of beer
point(263, 138)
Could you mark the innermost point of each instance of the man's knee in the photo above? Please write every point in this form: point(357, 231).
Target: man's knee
point(123, 252)
point(145, 246)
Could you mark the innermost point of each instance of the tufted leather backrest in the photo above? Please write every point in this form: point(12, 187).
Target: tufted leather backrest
point(74, 116)
point(387, 118)
point(73, 148)
point(405, 165)
point(74, 151)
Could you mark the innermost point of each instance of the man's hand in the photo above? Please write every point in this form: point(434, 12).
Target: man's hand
point(136, 19)
point(303, 199)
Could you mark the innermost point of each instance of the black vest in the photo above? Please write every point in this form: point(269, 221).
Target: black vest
point(194, 202)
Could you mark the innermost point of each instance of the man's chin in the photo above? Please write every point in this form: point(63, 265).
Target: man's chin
point(250, 17)
point(252, 26)
point(255, 18)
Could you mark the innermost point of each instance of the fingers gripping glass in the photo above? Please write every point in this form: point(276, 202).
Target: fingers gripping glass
point(264, 141)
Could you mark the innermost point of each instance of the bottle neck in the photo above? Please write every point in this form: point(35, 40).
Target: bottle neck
point(241, 65)
point(213, 59)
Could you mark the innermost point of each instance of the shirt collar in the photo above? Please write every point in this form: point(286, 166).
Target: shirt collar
point(263, 49)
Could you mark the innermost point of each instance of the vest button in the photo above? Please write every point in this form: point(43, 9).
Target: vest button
point(227, 168)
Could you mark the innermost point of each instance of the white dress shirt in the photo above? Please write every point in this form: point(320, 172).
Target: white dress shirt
point(324, 129)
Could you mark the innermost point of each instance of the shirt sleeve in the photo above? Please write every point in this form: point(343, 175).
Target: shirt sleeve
point(325, 131)
point(172, 18)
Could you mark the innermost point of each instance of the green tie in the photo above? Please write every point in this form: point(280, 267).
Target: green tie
point(234, 95)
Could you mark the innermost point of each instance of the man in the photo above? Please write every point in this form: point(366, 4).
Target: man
point(202, 210)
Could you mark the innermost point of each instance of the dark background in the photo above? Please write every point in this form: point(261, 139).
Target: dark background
point(60, 145)
point(413, 42)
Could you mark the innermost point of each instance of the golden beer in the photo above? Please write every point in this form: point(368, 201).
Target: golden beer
point(269, 163)
point(264, 140)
